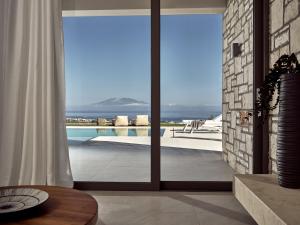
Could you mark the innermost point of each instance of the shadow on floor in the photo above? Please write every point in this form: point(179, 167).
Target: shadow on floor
point(213, 207)
point(221, 210)
point(112, 161)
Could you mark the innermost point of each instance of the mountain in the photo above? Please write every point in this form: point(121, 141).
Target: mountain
point(120, 102)
point(112, 105)
point(130, 106)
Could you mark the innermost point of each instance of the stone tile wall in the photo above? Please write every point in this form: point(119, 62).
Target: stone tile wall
point(238, 84)
point(238, 74)
point(284, 39)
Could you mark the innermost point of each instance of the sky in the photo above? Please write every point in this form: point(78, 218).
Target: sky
point(109, 56)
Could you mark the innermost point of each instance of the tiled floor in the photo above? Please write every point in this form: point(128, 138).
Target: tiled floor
point(170, 208)
point(124, 162)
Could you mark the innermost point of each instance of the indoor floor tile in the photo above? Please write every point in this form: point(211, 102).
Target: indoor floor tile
point(170, 208)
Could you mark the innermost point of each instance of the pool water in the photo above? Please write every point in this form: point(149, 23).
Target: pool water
point(88, 133)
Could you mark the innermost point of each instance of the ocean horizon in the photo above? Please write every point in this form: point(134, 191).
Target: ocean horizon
point(175, 116)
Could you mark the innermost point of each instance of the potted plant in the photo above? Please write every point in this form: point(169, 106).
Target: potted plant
point(285, 78)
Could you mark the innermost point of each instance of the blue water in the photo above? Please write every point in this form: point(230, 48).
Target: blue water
point(88, 133)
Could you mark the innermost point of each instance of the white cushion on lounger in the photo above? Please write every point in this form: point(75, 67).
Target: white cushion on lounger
point(141, 120)
point(121, 121)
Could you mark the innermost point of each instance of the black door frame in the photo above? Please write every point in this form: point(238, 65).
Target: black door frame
point(259, 142)
point(261, 69)
point(154, 184)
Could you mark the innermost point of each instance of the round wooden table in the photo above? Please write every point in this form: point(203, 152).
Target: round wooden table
point(65, 206)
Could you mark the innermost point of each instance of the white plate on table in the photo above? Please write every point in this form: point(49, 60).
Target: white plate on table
point(18, 199)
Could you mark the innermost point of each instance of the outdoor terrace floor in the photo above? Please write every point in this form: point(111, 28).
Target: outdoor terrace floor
point(185, 157)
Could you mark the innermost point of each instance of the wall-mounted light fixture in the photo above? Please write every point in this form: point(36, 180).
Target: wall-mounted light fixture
point(245, 118)
point(236, 49)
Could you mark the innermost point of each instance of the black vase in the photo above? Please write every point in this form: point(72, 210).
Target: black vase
point(288, 140)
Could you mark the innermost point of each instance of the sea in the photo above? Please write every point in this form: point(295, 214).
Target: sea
point(166, 116)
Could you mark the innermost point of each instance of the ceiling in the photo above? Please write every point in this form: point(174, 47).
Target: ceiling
point(139, 7)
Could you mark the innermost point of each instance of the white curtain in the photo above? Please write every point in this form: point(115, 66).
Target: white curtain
point(33, 143)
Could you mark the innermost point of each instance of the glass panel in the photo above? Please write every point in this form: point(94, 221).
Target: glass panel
point(191, 95)
point(107, 63)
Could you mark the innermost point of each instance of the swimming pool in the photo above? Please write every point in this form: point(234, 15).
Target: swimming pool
point(88, 133)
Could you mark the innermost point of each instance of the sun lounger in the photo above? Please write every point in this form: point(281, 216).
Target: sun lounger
point(141, 120)
point(194, 124)
point(214, 124)
point(120, 121)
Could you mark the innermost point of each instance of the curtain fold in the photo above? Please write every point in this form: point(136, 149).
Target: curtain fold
point(33, 142)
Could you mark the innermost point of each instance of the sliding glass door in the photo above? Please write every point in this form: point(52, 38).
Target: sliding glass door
point(141, 84)
point(108, 79)
point(191, 99)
